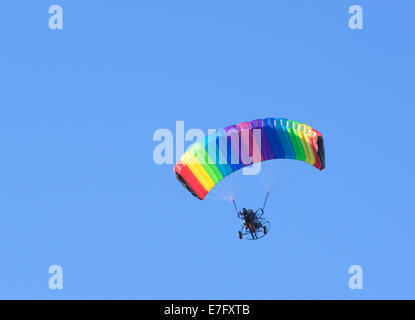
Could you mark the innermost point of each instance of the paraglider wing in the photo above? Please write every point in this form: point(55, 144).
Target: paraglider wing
point(216, 156)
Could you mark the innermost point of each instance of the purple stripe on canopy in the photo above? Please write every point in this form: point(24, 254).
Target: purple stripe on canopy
point(235, 137)
point(266, 149)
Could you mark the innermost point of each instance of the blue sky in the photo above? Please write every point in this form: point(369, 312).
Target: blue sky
point(79, 188)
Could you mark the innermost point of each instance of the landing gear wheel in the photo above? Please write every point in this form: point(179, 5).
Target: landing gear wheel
point(240, 234)
point(265, 230)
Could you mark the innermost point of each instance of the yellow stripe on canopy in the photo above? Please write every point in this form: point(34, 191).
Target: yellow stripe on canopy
point(197, 169)
point(303, 131)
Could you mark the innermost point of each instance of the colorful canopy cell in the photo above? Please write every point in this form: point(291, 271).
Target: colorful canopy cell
point(216, 156)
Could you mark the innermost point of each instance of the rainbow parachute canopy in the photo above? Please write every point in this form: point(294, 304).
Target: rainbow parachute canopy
point(216, 156)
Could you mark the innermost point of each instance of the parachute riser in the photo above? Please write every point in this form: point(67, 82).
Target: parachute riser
point(265, 201)
point(236, 208)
